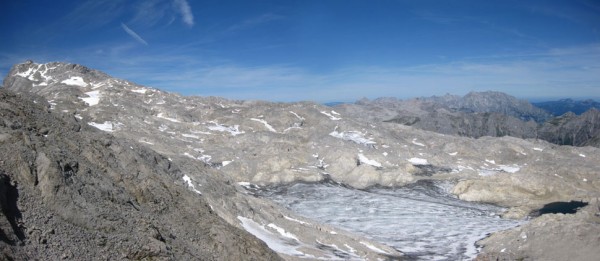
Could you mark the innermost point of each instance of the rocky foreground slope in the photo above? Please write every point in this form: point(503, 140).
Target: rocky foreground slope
point(69, 191)
point(225, 145)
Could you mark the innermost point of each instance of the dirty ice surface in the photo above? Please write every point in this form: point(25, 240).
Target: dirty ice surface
point(421, 220)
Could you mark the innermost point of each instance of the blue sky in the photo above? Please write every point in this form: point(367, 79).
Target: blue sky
point(324, 50)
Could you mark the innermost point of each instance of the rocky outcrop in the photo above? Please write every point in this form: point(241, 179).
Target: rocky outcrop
point(549, 237)
point(462, 116)
point(69, 191)
point(574, 130)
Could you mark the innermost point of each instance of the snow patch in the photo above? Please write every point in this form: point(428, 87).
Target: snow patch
point(190, 136)
point(161, 115)
point(282, 232)
point(582, 155)
point(226, 162)
point(418, 161)
point(295, 220)
point(25, 74)
point(354, 136)
point(501, 168)
point(273, 241)
point(414, 141)
point(75, 81)
point(142, 91)
point(188, 180)
point(106, 126)
point(204, 158)
point(364, 160)
point(297, 116)
point(374, 248)
point(92, 99)
point(147, 142)
point(267, 125)
point(510, 169)
point(233, 130)
point(453, 153)
point(247, 185)
point(333, 118)
point(538, 149)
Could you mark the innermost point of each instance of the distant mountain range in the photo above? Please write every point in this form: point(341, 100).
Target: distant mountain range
point(563, 106)
point(479, 114)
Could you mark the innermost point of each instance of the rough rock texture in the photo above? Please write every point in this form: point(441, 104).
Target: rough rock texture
point(549, 237)
point(68, 191)
point(482, 114)
point(575, 130)
point(491, 101)
point(185, 130)
point(258, 143)
point(474, 115)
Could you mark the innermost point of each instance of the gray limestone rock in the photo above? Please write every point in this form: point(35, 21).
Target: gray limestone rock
point(222, 146)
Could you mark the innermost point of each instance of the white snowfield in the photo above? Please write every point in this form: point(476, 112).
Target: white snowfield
point(75, 81)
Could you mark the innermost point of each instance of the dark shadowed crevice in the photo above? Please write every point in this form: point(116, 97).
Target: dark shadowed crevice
point(8, 203)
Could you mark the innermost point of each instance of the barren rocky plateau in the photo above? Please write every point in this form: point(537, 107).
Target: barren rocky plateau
point(102, 168)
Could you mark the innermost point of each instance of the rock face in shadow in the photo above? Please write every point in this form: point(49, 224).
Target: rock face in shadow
point(69, 191)
point(574, 130)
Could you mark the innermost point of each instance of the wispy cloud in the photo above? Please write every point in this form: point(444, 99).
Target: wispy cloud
point(94, 13)
point(186, 11)
point(255, 21)
point(572, 72)
point(133, 34)
point(151, 12)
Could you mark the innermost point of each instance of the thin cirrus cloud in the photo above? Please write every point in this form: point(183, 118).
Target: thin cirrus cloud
point(186, 11)
point(521, 76)
point(133, 34)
